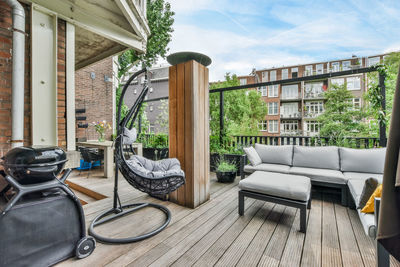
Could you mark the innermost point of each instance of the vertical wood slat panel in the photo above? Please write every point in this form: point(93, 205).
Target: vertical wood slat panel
point(188, 140)
point(172, 117)
point(206, 131)
point(180, 92)
point(200, 140)
point(195, 153)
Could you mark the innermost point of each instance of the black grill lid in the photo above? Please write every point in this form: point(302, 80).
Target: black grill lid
point(37, 156)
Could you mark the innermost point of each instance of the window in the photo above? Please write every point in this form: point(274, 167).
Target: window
point(335, 66)
point(313, 90)
point(285, 74)
point(243, 81)
point(346, 65)
point(356, 103)
point(273, 126)
point(373, 61)
point(309, 70)
point(313, 108)
point(262, 126)
point(290, 110)
point(273, 108)
point(289, 127)
point(272, 75)
point(262, 90)
point(337, 81)
point(353, 83)
point(290, 91)
point(273, 90)
point(312, 127)
point(264, 76)
point(320, 68)
point(295, 72)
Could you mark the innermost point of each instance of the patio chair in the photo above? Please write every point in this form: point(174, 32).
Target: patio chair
point(156, 178)
point(90, 159)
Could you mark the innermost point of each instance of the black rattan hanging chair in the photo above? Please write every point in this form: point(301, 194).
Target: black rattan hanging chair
point(157, 178)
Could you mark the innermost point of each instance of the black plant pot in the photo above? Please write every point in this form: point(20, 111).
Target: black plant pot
point(226, 177)
point(155, 153)
point(214, 158)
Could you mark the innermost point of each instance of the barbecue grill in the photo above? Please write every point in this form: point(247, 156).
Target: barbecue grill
point(31, 165)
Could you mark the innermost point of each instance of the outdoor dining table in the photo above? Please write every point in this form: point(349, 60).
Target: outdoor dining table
point(107, 147)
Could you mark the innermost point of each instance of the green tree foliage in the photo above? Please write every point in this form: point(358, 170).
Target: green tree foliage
point(160, 20)
point(389, 68)
point(340, 119)
point(243, 109)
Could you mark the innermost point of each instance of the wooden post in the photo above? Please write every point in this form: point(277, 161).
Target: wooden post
point(189, 130)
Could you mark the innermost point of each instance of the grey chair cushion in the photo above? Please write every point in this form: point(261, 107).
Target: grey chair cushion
point(326, 157)
point(355, 188)
point(155, 169)
point(368, 189)
point(275, 154)
point(362, 160)
point(278, 185)
point(368, 223)
point(267, 168)
point(363, 176)
point(320, 175)
point(129, 136)
point(252, 155)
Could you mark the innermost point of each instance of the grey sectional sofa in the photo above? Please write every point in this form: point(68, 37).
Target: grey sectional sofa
point(330, 166)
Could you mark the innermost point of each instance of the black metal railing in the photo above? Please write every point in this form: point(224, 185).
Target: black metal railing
point(353, 142)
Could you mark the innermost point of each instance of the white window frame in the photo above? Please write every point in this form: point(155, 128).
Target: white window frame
point(273, 91)
point(356, 101)
point(312, 127)
point(262, 90)
point(346, 65)
point(373, 61)
point(243, 81)
point(354, 83)
point(335, 66)
point(295, 70)
point(263, 126)
point(309, 70)
point(319, 68)
point(273, 108)
point(337, 81)
point(314, 108)
point(289, 127)
point(290, 91)
point(290, 110)
point(273, 126)
point(285, 74)
point(312, 90)
point(264, 76)
point(272, 75)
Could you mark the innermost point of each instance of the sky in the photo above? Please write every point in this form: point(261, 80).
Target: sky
point(240, 35)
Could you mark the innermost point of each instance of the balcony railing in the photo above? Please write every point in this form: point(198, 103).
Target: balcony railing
point(313, 95)
point(292, 97)
point(309, 115)
point(329, 70)
point(291, 116)
point(354, 142)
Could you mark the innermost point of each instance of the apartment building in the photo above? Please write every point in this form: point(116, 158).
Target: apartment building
point(293, 108)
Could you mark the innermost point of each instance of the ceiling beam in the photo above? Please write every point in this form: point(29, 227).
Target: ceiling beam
point(109, 52)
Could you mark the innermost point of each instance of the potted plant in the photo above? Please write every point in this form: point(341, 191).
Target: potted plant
point(155, 146)
point(101, 128)
point(226, 171)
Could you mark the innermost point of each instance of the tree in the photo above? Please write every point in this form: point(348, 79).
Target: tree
point(160, 20)
point(243, 109)
point(340, 119)
point(389, 68)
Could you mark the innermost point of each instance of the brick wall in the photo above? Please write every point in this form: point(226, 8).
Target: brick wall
point(61, 85)
point(6, 78)
point(95, 95)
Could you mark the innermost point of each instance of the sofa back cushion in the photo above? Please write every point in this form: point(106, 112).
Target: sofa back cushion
point(324, 157)
point(275, 154)
point(362, 160)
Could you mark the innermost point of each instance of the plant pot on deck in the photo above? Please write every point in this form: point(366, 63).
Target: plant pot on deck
point(155, 153)
point(226, 177)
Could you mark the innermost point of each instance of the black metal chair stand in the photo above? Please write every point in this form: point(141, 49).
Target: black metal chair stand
point(148, 184)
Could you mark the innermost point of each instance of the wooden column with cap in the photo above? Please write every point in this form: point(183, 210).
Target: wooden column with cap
point(189, 130)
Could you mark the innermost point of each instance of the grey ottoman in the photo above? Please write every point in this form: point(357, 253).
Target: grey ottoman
point(285, 189)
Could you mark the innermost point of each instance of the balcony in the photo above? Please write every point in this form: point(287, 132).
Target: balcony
point(314, 95)
point(290, 98)
point(311, 115)
point(292, 116)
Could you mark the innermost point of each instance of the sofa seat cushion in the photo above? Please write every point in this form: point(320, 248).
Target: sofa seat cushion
point(355, 188)
point(267, 168)
point(275, 154)
point(363, 176)
point(320, 175)
point(362, 160)
point(278, 185)
point(326, 157)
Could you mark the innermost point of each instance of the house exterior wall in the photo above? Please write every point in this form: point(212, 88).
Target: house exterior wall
point(95, 95)
point(61, 85)
point(6, 78)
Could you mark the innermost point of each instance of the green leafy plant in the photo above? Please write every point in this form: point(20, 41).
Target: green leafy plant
point(224, 165)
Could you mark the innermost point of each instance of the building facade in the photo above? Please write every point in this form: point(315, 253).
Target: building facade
point(293, 108)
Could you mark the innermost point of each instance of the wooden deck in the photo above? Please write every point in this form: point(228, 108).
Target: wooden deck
point(214, 233)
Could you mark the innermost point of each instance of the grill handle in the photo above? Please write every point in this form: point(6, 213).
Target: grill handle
point(64, 177)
